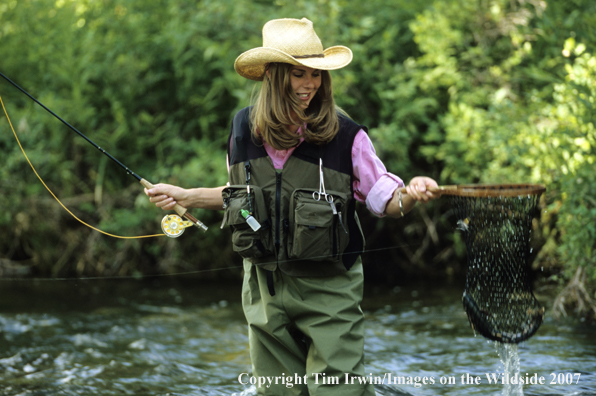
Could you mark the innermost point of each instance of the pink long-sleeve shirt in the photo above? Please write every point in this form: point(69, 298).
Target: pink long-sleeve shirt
point(373, 185)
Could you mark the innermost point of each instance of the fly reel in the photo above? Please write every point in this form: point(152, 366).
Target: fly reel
point(173, 225)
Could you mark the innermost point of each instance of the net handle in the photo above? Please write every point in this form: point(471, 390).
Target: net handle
point(487, 190)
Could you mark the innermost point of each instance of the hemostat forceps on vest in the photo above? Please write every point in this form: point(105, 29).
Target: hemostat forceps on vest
point(321, 193)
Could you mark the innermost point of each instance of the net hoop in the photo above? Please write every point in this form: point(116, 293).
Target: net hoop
point(491, 190)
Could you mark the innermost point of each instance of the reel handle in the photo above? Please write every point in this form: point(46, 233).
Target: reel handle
point(182, 211)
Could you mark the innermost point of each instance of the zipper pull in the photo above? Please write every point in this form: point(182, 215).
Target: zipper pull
point(223, 222)
point(341, 222)
point(333, 208)
point(226, 202)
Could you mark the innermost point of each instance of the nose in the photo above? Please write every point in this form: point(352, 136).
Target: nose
point(309, 82)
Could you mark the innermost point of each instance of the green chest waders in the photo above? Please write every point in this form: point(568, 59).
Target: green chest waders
point(303, 276)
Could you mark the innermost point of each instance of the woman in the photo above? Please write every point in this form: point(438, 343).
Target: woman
point(296, 167)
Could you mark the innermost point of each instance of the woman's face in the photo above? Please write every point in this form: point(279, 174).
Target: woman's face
point(305, 83)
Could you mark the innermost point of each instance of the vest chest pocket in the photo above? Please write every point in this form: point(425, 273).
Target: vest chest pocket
point(316, 233)
point(248, 243)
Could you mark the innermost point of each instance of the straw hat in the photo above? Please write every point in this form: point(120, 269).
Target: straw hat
point(291, 41)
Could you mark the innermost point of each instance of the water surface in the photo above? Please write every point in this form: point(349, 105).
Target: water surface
point(182, 337)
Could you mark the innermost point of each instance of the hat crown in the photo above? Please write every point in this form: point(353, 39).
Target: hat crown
point(295, 37)
point(291, 41)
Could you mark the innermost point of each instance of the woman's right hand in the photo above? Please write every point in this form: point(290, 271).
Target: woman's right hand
point(166, 196)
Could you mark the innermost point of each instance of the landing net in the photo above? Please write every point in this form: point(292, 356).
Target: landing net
point(496, 224)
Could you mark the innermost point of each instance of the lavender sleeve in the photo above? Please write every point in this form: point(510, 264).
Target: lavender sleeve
point(373, 185)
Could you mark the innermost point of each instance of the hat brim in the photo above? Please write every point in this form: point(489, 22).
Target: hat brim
point(251, 64)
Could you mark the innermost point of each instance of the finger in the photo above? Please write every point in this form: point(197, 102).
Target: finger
point(159, 200)
point(156, 199)
point(166, 201)
point(415, 193)
point(423, 192)
point(157, 189)
point(423, 195)
point(433, 195)
point(168, 204)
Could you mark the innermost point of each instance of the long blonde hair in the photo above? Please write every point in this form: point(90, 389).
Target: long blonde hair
point(276, 102)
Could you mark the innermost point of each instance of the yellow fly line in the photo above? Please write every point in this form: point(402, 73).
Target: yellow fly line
point(55, 197)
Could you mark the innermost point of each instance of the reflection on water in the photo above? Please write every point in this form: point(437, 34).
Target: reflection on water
point(185, 338)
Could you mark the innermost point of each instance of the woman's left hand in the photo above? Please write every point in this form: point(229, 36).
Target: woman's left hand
point(418, 189)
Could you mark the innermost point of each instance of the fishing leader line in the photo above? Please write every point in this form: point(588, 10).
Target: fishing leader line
point(128, 277)
point(140, 277)
point(54, 195)
point(171, 223)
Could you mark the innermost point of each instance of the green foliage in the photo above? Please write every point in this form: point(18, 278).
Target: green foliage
point(577, 222)
point(520, 109)
point(574, 138)
point(466, 91)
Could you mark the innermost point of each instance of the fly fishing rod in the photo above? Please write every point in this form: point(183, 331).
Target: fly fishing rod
point(172, 225)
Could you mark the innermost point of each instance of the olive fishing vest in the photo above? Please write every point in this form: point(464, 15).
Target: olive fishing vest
point(295, 226)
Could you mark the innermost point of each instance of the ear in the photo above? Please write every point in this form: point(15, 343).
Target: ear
point(267, 70)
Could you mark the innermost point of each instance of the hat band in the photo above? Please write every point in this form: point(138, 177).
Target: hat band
point(308, 56)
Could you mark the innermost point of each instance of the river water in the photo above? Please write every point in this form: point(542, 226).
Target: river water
point(173, 336)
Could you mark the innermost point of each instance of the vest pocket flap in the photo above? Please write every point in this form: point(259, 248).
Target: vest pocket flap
point(234, 218)
point(249, 243)
point(314, 214)
point(236, 199)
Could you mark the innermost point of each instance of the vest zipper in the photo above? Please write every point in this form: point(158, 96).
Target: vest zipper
point(278, 211)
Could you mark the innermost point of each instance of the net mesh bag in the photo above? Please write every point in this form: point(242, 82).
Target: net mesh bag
point(496, 225)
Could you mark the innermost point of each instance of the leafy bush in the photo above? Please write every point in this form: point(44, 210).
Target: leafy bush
point(466, 91)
